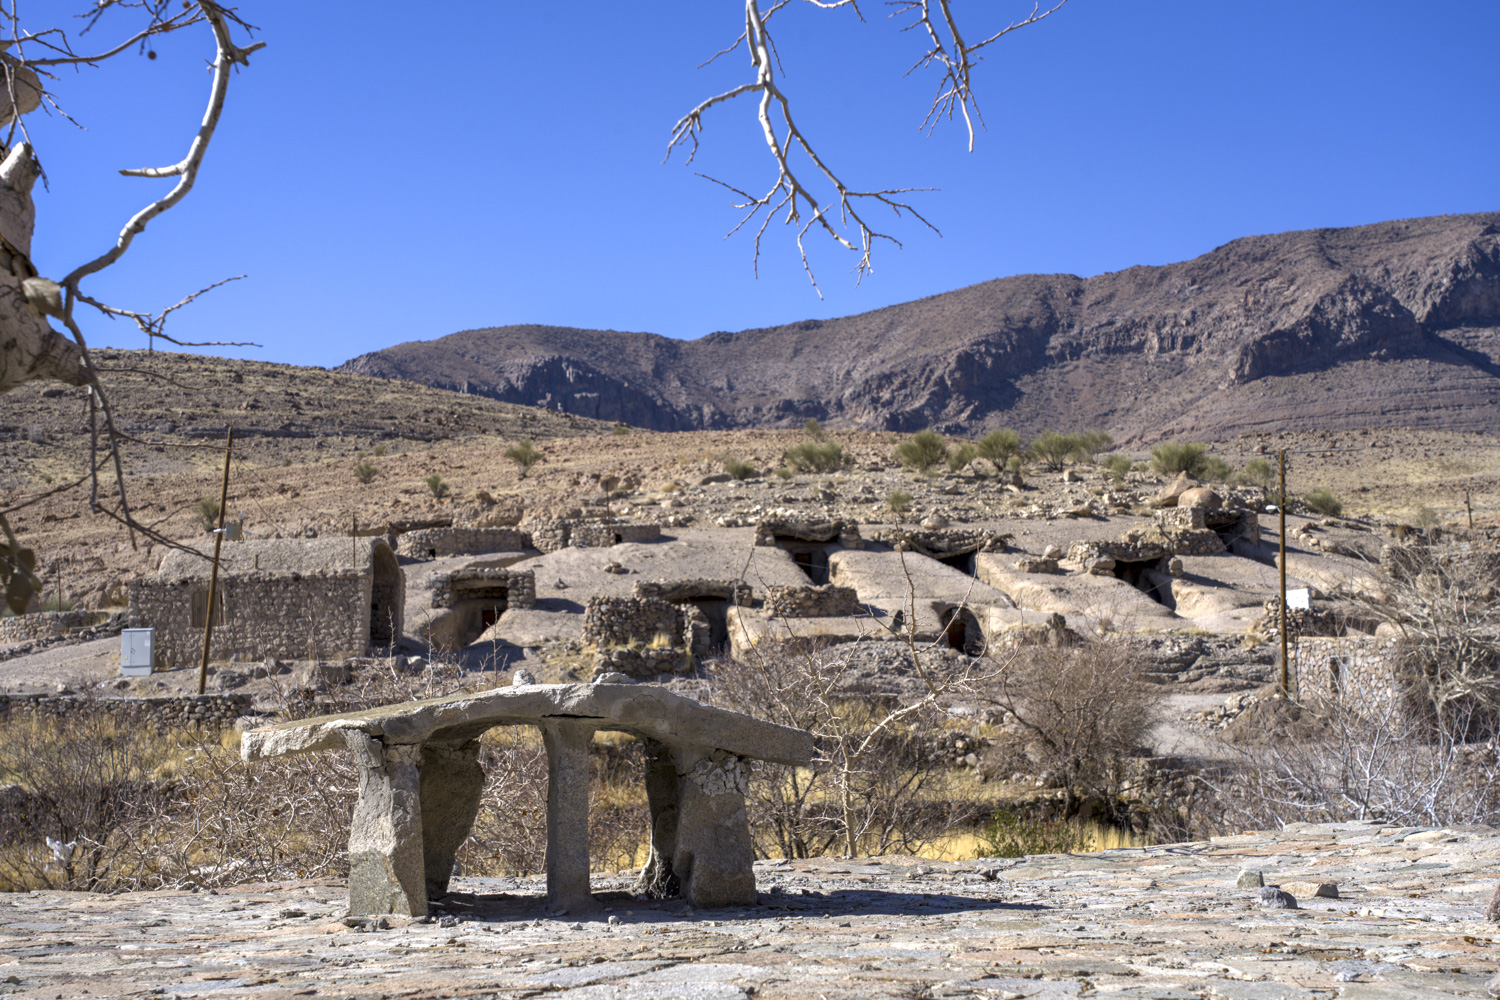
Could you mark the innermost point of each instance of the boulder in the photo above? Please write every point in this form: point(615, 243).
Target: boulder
point(1200, 496)
point(1176, 488)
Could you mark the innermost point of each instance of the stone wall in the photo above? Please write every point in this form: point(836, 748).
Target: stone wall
point(1360, 670)
point(550, 534)
point(826, 601)
point(845, 532)
point(733, 591)
point(641, 664)
point(940, 542)
point(46, 624)
point(212, 711)
point(434, 542)
point(612, 621)
point(448, 589)
point(324, 615)
point(603, 534)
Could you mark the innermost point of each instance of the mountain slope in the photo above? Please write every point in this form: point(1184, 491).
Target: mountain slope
point(1393, 324)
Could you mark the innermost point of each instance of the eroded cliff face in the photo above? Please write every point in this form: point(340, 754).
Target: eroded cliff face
point(1389, 324)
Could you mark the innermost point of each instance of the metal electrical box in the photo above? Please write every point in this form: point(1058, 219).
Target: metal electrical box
point(136, 657)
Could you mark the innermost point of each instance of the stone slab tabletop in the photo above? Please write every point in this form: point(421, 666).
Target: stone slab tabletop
point(1162, 922)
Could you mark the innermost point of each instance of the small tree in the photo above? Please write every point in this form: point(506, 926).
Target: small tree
point(898, 501)
point(208, 513)
point(1052, 450)
point(525, 455)
point(997, 447)
point(1094, 442)
point(436, 485)
point(813, 429)
point(366, 471)
point(922, 451)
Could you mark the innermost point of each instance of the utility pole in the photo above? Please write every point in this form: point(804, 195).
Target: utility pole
point(213, 576)
point(1281, 539)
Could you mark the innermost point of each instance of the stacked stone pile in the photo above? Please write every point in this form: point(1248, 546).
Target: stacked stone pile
point(50, 628)
point(625, 621)
point(213, 711)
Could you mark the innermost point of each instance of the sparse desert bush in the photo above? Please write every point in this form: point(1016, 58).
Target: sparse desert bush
point(740, 470)
point(1052, 450)
point(1172, 457)
point(525, 455)
point(57, 602)
point(922, 451)
point(784, 473)
point(1216, 470)
point(1078, 712)
point(1257, 472)
point(814, 456)
point(813, 429)
point(380, 450)
point(998, 447)
point(621, 430)
point(1324, 502)
point(960, 457)
point(1117, 465)
point(208, 513)
point(1426, 517)
point(436, 485)
point(1093, 442)
point(898, 501)
point(366, 471)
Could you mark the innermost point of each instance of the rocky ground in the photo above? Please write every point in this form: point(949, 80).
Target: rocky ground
point(1401, 918)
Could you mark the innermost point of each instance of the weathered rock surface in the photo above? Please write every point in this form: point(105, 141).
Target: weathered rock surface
point(1156, 923)
point(1393, 324)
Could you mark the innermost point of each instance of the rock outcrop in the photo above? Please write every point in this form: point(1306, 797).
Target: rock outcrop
point(1393, 324)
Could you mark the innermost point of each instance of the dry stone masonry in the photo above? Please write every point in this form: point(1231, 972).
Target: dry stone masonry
point(827, 601)
point(434, 542)
point(420, 784)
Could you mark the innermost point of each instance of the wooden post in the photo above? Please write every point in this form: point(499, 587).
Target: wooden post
point(1469, 508)
point(213, 575)
point(1281, 538)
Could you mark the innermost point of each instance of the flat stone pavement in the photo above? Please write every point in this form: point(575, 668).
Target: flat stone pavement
point(1162, 922)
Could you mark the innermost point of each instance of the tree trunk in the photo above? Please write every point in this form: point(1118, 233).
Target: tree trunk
point(29, 348)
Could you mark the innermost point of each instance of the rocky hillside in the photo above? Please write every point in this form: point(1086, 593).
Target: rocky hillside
point(1394, 324)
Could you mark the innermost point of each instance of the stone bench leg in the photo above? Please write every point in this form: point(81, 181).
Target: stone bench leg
point(657, 880)
point(451, 784)
point(567, 744)
point(702, 827)
point(386, 873)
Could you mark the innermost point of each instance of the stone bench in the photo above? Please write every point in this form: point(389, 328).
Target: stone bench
point(420, 784)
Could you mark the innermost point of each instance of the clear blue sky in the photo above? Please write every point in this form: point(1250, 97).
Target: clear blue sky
point(387, 173)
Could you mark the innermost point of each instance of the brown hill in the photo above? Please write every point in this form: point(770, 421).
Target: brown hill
point(1393, 324)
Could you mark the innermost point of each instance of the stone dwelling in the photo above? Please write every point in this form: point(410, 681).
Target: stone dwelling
point(283, 598)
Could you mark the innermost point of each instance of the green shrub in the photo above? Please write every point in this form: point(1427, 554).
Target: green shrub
point(813, 429)
point(1216, 470)
point(58, 602)
point(961, 456)
point(436, 485)
point(1094, 442)
point(380, 450)
point(999, 446)
point(621, 430)
point(784, 473)
point(1052, 450)
point(524, 454)
point(740, 470)
point(1117, 465)
point(922, 451)
point(898, 500)
point(1324, 502)
point(365, 471)
point(813, 456)
point(1428, 518)
point(1171, 457)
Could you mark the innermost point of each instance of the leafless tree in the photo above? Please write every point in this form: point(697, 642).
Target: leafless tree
point(30, 348)
point(845, 213)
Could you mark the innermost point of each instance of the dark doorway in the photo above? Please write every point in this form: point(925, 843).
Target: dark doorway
point(961, 632)
point(961, 561)
point(716, 610)
point(811, 557)
point(1134, 573)
point(387, 596)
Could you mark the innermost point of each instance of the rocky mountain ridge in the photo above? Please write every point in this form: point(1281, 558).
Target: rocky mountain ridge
point(1392, 324)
